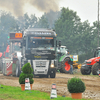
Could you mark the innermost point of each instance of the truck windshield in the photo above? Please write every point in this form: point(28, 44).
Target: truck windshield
point(42, 43)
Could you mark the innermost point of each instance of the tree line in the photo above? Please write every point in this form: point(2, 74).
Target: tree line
point(80, 38)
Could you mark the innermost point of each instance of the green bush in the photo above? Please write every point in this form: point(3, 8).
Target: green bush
point(27, 68)
point(76, 85)
point(26, 73)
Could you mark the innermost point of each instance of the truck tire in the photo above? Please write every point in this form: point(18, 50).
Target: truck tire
point(18, 72)
point(65, 66)
point(53, 74)
point(47, 76)
point(3, 69)
point(85, 72)
point(95, 69)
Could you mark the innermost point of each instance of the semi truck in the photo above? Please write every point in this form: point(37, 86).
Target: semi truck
point(38, 47)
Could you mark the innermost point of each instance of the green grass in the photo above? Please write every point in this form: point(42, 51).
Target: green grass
point(15, 93)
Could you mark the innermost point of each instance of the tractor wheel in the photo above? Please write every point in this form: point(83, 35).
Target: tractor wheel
point(85, 72)
point(65, 66)
point(95, 69)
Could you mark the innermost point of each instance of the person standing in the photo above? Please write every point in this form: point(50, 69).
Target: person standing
point(71, 65)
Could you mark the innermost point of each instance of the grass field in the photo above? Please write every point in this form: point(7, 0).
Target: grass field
point(15, 93)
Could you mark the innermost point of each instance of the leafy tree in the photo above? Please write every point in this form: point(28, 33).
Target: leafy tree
point(43, 22)
point(79, 37)
point(33, 21)
point(67, 27)
point(47, 20)
point(7, 24)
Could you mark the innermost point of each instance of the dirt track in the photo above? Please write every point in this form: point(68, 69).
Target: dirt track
point(44, 84)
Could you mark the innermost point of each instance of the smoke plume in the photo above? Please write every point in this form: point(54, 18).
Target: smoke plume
point(16, 6)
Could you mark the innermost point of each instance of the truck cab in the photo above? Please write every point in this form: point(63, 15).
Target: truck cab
point(39, 49)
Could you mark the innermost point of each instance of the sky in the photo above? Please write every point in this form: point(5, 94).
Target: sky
point(86, 9)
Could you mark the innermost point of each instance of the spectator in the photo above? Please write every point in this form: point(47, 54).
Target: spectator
point(71, 65)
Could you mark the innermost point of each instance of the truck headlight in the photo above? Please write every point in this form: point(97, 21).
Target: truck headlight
point(52, 65)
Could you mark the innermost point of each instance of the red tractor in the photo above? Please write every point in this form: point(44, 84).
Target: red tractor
point(92, 65)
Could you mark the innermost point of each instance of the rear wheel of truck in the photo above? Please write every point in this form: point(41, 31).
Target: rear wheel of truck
point(18, 72)
point(85, 72)
point(3, 69)
point(65, 66)
point(53, 74)
point(95, 69)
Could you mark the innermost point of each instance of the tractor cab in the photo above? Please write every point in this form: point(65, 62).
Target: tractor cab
point(97, 52)
point(62, 50)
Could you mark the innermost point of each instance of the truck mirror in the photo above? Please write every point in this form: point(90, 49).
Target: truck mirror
point(59, 43)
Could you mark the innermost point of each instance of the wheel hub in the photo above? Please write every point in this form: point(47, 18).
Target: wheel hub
point(67, 66)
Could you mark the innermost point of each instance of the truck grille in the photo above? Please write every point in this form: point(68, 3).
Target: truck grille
point(40, 66)
point(40, 71)
point(40, 63)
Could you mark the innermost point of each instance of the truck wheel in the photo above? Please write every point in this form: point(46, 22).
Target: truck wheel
point(95, 69)
point(18, 72)
point(85, 72)
point(3, 69)
point(65, 66)
point(47, 76)
point(53, 74)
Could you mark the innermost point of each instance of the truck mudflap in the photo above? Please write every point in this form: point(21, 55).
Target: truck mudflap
point(52, 69)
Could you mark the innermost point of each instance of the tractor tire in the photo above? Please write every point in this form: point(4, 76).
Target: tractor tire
point(85, 72)
point(53, 74)
point(95, 69)
point(65, 66)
